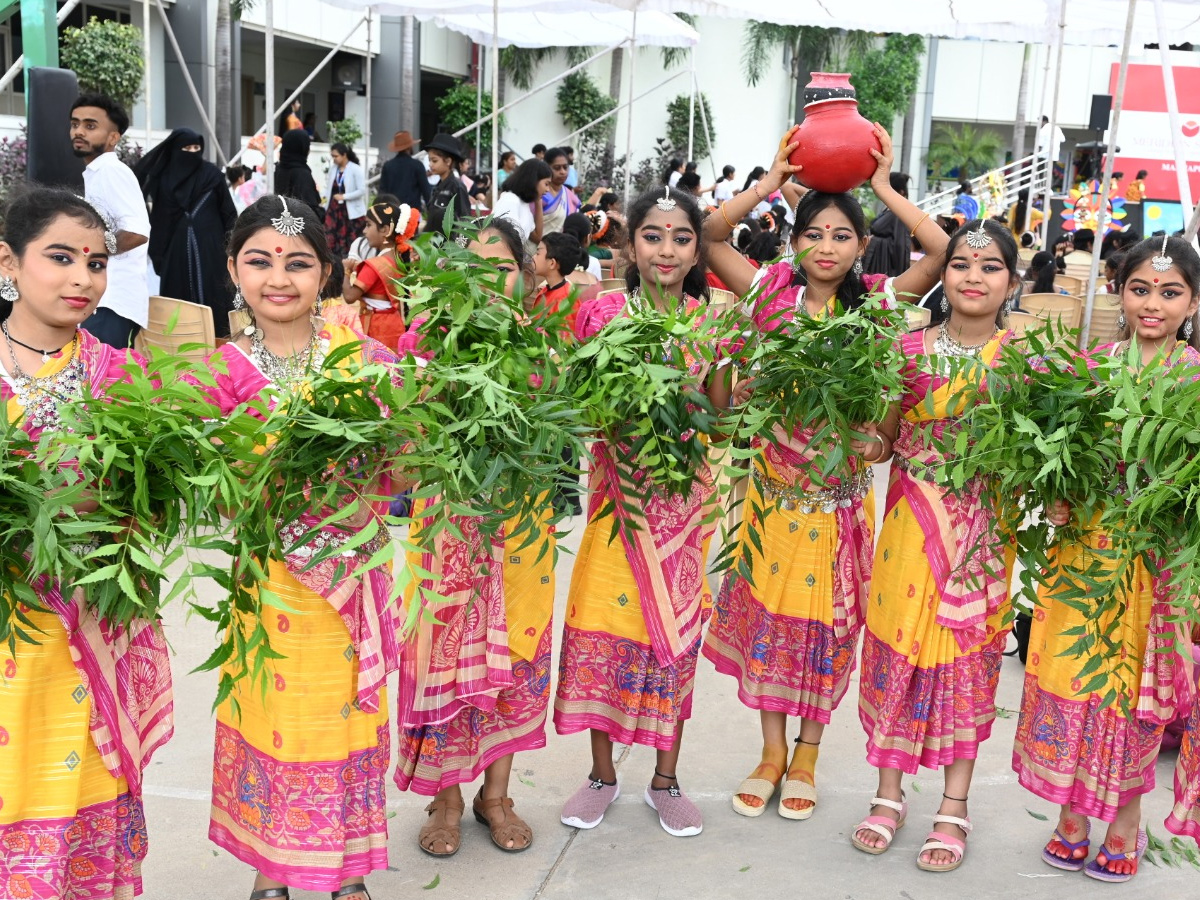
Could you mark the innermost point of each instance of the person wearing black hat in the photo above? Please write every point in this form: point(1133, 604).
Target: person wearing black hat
point(449, 194)
point(404, 177)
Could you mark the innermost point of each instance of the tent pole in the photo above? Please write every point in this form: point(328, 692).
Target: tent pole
point(692, 105)
point(305, 83)
point(1189, 233)
point(629, 111)
point(149, 80)
point(1118, 99)
point(478, 105)
point(495, 94)
point(1168, 70)
point(1046, 208)
point(367, 126)
point(269, 143)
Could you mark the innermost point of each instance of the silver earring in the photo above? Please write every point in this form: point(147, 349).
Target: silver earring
point(945, 304)
point(239, 302)
point(1121, 323)
point(1187, 330)
point(1008, 303)
point(8, 290)
point(857, 267)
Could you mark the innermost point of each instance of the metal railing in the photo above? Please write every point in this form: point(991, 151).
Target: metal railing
point(995, 190)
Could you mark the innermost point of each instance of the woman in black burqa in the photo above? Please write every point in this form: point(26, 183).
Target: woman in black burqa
point(192, 213)
point(293, 177)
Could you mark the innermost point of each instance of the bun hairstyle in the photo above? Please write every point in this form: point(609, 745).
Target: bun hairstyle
point(259, 215)
point(600, 223)
point(1183, 257)
point(694, 283)
point(32, 209)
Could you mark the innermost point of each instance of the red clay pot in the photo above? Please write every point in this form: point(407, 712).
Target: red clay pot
point(835, 140)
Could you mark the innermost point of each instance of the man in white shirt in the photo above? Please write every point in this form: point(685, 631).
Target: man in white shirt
point(97, 123)
point(1046, 146)
point(724, 189)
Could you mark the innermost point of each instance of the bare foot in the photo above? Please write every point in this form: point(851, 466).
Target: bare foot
point(1073, 828)
point(768, 770)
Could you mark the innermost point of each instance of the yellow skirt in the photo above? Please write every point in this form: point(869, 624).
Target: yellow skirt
point(68, 827)
point(923, 700)
point(299, 775)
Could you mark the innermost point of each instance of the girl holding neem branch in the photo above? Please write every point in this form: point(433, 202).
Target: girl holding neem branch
point(1072, 748)
point(789, 639)
point(300, 768)
point(637, 604)
point(936, 622)
point(83, 709)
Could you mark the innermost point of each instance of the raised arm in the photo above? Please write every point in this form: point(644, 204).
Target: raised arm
point(729, 265)
point(921, 278)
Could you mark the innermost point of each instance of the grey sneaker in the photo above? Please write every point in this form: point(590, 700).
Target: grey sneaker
point(678, 815)
point(587, 806)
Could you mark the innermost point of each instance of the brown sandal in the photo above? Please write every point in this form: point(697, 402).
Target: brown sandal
point(440, 829)
point(504, 824)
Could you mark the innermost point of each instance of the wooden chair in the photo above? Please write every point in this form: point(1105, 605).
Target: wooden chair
point(1065, 311)
point(917, 317)
point(1025, 255)
point(1102, 327)
point(1020, 322)
point(1074, 283)
point(238, 320)
point(174, 323)
point(721, 300)
point(611, 285)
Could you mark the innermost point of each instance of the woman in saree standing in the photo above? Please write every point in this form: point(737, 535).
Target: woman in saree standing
point(300, 769)
point(939, 614)
point(84, 708)
point(789, 638)
point(458, 719)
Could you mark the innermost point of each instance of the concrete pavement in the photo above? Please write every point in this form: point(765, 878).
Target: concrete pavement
point(629, 857)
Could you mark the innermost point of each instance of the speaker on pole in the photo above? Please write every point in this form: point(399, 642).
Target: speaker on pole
point(50, 93)
point(1101, 111)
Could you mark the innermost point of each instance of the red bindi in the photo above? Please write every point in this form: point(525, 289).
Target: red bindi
point(975, 255)
point(1156, 281)
point(86, 250)
point(668, 226)
point(279, 251)
point(827, 227)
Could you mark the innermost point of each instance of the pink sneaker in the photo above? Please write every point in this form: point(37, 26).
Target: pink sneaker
point(587, 806)
point(678, 815)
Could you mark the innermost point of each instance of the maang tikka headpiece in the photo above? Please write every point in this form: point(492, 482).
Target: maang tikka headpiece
point(287, 224)
point(1162, 262)
point(977, 240)
point(665, 203)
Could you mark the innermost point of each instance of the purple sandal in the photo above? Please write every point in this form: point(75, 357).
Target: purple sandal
point(1071, 863)
point(1101, 873)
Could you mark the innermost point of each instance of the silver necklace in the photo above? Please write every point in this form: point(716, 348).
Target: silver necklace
point(42, 397)
point(287, 372)
point(945, 345)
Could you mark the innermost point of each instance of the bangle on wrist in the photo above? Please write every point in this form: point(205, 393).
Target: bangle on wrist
point(920, 221)
point(725, 215)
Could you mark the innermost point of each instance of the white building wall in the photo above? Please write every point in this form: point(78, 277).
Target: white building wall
point(747, 121)
point(314, 22)
point(445, 51)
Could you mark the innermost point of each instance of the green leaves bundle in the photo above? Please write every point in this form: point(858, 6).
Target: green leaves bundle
point(635, 384)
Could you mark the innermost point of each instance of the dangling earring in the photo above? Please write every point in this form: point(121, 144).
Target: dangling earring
point(1121, 323)
point(1008, 303)
point(857, 268)
point(1187, 329)
point(945, 305)
point(8, 290)
point(239, 302)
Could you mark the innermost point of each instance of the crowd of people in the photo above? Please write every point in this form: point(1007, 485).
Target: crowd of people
point(300, 770)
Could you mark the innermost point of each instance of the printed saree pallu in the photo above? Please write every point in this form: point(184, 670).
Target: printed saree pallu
point(81, 714)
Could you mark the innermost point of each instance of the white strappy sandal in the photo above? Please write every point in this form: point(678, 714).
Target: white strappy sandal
point(938, 840)
point(884, 826)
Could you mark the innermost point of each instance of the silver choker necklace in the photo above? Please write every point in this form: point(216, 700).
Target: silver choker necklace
point(945, 345)
point(287, 372)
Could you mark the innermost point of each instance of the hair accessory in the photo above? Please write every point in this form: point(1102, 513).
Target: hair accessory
point(110, 241)
point(462, 240)
point(979, 239)
point(599, 220)
point(1162, 262)
point(8, 290)
point(665, 203)
point(287, 224)
point(239, 300)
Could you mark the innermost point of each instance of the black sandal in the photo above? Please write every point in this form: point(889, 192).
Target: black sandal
point(349, 890)
point(270, 894)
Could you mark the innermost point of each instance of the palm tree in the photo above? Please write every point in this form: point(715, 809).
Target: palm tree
point(806, 48)
point(616, 65)
point(1019, 123)
point(969, 150)
point(224, 76)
